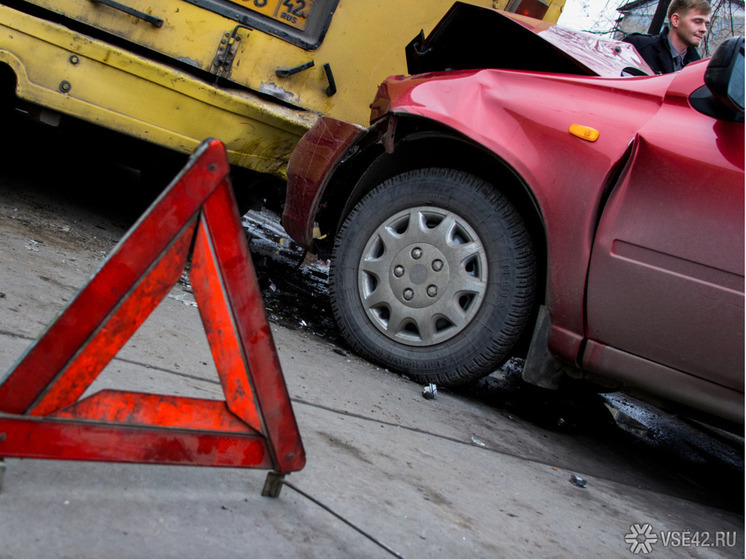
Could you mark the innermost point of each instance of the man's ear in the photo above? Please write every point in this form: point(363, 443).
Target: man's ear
point(675, 19)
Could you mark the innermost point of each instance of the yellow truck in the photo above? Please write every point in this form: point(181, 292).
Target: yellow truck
point(253, 73)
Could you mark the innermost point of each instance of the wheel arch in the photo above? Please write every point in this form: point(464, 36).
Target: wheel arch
point(422, 143)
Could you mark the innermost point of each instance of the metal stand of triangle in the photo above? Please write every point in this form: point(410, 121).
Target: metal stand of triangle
point(41, 413)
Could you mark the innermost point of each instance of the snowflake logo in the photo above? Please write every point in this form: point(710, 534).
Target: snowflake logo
point(641, 538)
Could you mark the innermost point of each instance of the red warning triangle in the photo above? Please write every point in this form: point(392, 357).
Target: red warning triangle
point(40, 411)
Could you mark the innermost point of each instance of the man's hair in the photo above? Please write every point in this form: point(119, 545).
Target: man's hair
point(683, 7)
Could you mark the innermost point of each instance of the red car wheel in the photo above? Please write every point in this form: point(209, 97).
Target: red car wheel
point(433, 274)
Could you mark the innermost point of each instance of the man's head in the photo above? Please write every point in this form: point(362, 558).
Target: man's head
point(688, 21)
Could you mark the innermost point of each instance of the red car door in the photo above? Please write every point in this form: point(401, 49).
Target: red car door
point(666, 278)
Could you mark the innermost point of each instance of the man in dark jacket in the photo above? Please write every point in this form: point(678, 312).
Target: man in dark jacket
point(677, 45)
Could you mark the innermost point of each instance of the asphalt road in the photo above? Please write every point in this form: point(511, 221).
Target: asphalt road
point(483, 472)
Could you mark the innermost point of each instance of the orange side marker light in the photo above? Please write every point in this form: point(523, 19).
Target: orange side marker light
point(584, 132)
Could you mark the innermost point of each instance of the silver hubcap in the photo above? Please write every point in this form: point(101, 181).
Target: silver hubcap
point(422, 276)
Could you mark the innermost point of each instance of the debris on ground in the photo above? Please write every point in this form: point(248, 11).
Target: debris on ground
point(430, 391)
point(477, 442)
point(294, 285)
point(578, 481)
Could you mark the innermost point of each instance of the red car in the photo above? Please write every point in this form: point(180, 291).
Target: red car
point(530, 190)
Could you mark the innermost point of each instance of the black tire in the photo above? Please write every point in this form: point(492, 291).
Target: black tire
point(445, 302)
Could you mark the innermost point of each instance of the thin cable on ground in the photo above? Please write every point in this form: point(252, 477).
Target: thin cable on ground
point(350, 524)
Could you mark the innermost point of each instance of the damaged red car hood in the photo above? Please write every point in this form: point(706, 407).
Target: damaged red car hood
point(473, 37)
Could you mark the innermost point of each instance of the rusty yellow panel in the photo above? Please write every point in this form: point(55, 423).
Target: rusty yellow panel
point(86, 78)
point(188, 33)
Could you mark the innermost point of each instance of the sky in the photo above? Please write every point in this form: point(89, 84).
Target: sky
point(590, 15)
